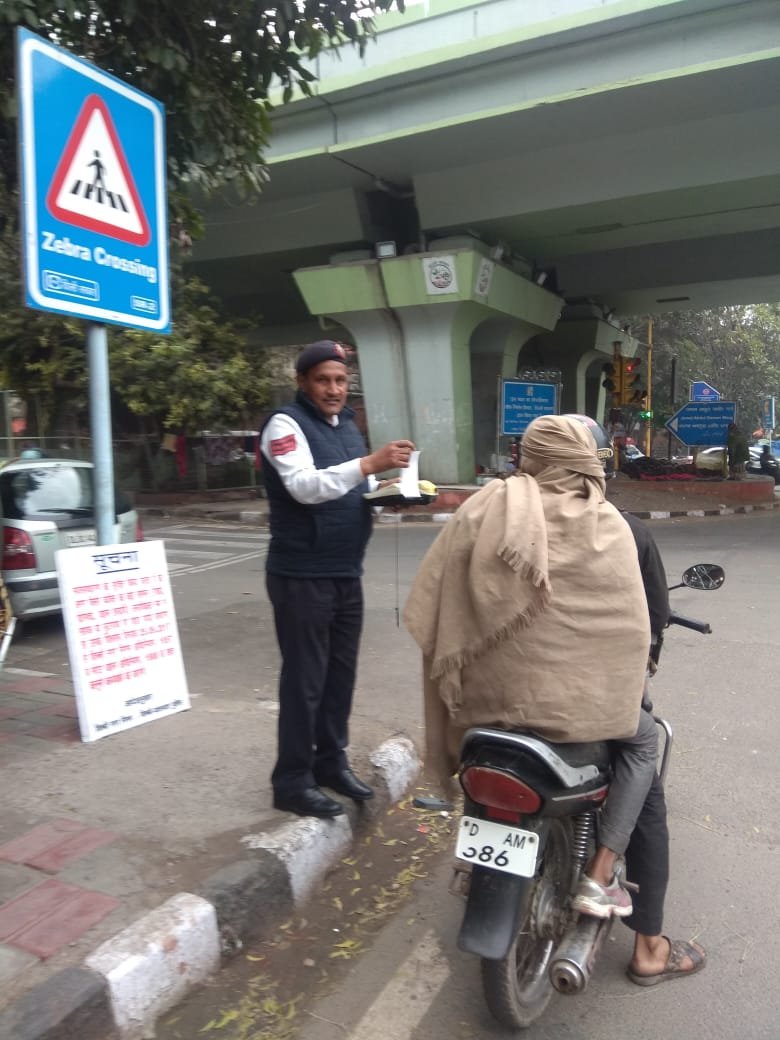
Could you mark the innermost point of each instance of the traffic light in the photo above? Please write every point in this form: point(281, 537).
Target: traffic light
point(622, 378)
point(612, 375)
point(631, 390)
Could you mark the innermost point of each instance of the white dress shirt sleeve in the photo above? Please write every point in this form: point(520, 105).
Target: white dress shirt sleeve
point(285, 447)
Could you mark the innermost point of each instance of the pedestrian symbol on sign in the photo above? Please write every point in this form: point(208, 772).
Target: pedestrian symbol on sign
point(97, 184)
point(93, 187)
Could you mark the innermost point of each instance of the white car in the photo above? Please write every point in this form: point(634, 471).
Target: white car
point(711, 460)
point(46, 505)
point(631, 453)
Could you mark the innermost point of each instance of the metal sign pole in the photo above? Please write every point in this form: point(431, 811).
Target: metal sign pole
point(649, 405)
point(499, 417)
point(9, 444)
point(100, 419)
point(673, 398)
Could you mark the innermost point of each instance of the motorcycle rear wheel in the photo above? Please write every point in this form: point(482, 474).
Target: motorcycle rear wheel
point(517, 988)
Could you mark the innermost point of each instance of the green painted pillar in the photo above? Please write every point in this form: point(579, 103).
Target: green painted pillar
point(437, 348)
point(415, 320)
point(579, 347)
point(383, 373)
point(354, 294)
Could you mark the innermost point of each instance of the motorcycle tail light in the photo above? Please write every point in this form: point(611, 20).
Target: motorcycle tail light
point(499, 791)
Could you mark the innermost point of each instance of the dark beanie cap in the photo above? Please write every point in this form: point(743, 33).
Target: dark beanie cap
point(316, 353)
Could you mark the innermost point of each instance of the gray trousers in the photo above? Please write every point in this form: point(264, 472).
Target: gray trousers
point(635, 762)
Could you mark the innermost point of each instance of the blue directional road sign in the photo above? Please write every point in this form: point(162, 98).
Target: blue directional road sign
point(768, 413)
point(93, 191)
point(703, 424)
point(701, 391)
point(521, 403)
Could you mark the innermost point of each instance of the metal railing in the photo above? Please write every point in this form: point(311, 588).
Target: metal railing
point(142, 464)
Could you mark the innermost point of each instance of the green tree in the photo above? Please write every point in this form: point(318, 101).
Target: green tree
point(734, 349)
point(203, 377)
point(213, 66)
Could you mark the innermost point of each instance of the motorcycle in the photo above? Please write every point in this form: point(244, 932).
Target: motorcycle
point(530, 825)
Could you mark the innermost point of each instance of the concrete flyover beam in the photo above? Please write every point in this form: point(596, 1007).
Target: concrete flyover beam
point(455, 67)
point(627, 148)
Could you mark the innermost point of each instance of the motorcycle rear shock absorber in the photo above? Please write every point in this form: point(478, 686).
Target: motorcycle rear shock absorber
point(584, 829)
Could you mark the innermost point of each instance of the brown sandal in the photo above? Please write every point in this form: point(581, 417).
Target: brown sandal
point(678, 951)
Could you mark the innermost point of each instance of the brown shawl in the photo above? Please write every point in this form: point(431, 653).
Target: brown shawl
point(529, 607)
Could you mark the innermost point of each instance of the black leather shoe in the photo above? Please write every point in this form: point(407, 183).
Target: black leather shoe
point(310, 802)
point(345, 782)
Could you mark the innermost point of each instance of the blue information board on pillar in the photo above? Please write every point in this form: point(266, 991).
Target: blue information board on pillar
point(521, 403)
point(94, 200)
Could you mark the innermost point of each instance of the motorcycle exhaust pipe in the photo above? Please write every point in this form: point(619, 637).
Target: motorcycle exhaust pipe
point(573, 962)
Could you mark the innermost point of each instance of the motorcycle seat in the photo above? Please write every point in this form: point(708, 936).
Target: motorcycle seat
point(574, 763)
point(596, 752)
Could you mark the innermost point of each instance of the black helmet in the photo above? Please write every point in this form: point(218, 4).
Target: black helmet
point(604, 449)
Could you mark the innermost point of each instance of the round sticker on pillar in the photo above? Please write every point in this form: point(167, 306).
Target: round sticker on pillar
point(440, 275)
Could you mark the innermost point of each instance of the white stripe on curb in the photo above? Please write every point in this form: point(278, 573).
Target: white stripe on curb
point(151, 965)
point(307, 849)
point(398, 763)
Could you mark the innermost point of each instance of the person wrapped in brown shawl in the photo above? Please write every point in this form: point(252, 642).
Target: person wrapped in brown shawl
point(529, 607)
point(530, 613)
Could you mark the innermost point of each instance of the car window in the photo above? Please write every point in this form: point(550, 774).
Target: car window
point(46, 492)
point(28, 494)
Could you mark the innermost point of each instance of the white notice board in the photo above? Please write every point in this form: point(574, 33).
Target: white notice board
point(123, 639)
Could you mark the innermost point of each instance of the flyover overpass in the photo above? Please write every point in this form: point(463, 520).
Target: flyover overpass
point(540, 169)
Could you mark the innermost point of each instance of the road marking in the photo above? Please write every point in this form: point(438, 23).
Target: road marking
point(399, 1008)
point(225, 561)
point(191, 549)
point(203, 554)
point(234, 544)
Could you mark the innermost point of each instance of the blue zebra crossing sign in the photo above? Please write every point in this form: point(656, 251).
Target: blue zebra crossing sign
point(93, 191)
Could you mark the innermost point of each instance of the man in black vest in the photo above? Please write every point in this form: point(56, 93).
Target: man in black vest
point(317, 468)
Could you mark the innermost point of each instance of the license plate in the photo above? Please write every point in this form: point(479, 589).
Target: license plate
point(494, 845)
point(73, 538)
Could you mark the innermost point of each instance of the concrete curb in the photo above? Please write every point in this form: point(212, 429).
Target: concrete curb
point(673, 514)
point(149, 967)
point(260, 519)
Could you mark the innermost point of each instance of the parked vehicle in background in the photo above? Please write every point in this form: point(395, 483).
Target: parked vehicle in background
point(711, 460)
point(46, 505)
point(630, 453)
point(763, 461)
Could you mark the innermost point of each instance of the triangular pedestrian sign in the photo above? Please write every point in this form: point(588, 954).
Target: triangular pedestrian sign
point(93, 187)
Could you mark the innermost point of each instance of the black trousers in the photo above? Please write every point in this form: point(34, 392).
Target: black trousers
point(647, 863)
point(318, 624)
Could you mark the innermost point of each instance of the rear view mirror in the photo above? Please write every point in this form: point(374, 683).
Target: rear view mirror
point(704, 576)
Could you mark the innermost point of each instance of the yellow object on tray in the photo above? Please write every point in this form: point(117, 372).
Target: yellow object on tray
point(391, 495)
